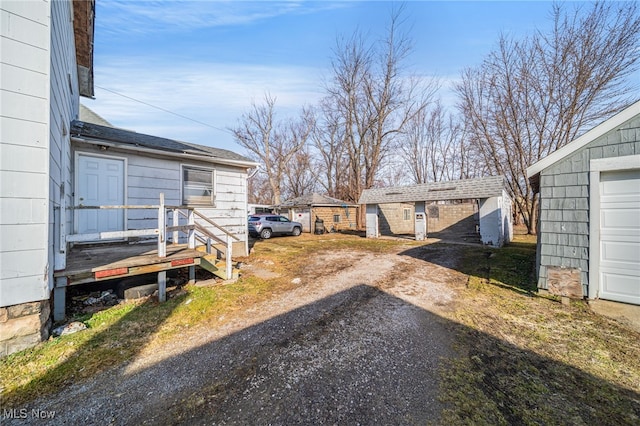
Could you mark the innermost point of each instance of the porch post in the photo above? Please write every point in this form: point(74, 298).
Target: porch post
point(59, 298)
point(227, 259)
point(162, 286)
point(191, 218)
point(176, 222)
point(162, 228)
point(192, 275)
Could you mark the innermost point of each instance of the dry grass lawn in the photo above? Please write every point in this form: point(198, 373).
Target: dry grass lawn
point(523, 358)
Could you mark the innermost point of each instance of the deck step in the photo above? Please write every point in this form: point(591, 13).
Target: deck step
point(218, 268)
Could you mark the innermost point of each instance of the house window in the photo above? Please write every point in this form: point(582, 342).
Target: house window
point(198, 186)
point(406, 214)
point(336, 218)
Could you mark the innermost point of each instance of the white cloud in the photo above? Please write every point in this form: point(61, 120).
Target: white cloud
point(213, 93)
point(125, 17)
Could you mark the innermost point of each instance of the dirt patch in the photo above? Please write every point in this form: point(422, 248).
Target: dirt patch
point(358, 340)
point(259, 270)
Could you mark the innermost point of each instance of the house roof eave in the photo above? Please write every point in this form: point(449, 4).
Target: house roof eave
point(289, 206)
point(129, 140)
point(163, 153)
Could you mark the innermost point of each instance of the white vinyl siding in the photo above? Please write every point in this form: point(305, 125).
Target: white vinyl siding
point(65, 104)
point(147, 176)
point(25, 35)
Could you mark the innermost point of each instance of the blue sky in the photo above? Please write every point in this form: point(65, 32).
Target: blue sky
point(208, 60)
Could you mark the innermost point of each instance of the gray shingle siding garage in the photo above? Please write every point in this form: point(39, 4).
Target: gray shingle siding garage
point(574, 235)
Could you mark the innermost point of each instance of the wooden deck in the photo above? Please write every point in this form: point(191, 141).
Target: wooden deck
point(90, 263)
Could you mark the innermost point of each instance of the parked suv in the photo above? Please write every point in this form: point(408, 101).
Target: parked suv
point(266, 225)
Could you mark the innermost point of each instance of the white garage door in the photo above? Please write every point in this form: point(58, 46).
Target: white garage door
point(620, 236)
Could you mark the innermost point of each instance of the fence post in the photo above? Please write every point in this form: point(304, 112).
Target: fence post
point(162, 241)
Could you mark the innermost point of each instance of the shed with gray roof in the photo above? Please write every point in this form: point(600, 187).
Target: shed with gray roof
point(337, 215)
point(489, 195)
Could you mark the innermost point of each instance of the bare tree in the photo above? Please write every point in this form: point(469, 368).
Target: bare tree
point(533, 96)
point(372, 97)
point(329, 141)
point(392, 173)
point(259, 190)
point(273, 144)
point(300, 177)
point(433, 147)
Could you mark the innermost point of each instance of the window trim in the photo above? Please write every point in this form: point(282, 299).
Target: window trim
point(214, 180)
point(339, 216)
point(406, 213)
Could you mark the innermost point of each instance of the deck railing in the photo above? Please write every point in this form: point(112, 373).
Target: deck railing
point(193, 230)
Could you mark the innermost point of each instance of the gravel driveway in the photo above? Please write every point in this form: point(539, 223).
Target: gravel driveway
point(358, 341)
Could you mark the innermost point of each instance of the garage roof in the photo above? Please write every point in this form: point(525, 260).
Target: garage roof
point(436, 191)
point(315, 200)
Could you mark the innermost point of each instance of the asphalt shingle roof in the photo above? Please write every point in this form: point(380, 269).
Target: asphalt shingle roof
point(314, 200)
point(112, 134)
point(436, 191)
point(90, 116)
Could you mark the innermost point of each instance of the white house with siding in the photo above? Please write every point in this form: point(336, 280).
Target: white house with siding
point(136, 168)
point(51, 163)
point(39, 95)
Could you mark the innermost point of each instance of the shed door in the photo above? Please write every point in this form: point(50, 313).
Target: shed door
point(620, 236)
point(304, 217)
point(100, 183)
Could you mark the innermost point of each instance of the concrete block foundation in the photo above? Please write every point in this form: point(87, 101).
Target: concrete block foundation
point(23, 326)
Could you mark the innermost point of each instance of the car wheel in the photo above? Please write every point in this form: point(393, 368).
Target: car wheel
point(266, 234)
point(296, 231)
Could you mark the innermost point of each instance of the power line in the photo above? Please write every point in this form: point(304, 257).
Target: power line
point(164, 110)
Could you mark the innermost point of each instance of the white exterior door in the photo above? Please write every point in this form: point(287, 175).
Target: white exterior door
point(304, 217)
point(100, 182)
point(620, 236)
